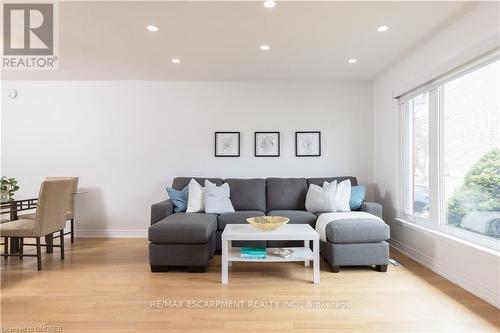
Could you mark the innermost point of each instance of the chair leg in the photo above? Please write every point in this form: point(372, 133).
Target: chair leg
point(49, 240)
point(38, 254)
point(72, 230)
point(21, 248)
point(61, 239)
point(6, 247)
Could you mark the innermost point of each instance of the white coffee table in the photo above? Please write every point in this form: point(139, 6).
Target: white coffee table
point(246, 232)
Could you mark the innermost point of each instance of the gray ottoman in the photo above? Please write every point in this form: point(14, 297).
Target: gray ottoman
point(182, 240)
point(356, 243)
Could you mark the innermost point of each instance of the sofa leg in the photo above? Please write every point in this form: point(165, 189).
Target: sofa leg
point(382, 268)
point(197, 269)
point(335, 269)
point(159, 269)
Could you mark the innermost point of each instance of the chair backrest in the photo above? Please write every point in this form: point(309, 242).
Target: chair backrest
point(52, 206)
point(74, 189)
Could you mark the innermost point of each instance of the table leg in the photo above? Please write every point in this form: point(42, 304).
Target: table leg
point(49, 240)
point(316, 261)
point(229, 247)
point(307, 246)
point(224, 262)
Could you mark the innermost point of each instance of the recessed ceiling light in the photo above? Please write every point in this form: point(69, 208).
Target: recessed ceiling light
point(153, 28)
point(269, 3)
point(382, 28)
point(352, 60)
point(265, 47)
point(176, 60)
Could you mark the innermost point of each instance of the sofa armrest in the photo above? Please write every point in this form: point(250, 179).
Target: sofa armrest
point(372, 208)
point(161, 210)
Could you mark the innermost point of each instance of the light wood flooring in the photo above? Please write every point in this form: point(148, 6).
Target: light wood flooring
point(105, 285)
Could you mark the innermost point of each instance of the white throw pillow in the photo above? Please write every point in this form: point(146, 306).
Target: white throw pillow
point(321, 199)
point(217, 199)
point(343, 196)
point(196, 197)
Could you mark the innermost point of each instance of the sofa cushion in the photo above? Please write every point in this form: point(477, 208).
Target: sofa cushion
point(183, 228)
point(236, 218)
point(296, 216)
point(196, 197)
point(342, 196)
point(357, 196)
point(357, 231)
point(321, 199)
point(248, 194)
point(320, 181)
point(217, 198)
point(180, 182)
point(179, 198)
point(286, 193)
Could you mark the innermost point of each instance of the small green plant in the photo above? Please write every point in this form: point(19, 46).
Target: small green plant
point(8, 187)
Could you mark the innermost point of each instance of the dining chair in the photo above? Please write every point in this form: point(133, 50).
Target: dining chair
point(70, 215)
point(50, 217)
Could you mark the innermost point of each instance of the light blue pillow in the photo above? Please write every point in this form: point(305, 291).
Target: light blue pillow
point(179, 198)
point(357, 196)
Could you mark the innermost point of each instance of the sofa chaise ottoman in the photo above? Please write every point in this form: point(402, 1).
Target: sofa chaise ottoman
point(191, 239)
point(182, 240)
point(356, 242)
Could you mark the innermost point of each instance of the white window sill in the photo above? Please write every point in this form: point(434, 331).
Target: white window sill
point(447, 237)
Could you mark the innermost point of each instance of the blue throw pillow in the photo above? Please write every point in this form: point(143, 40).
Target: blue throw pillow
point(357, 196)
point(179, 198)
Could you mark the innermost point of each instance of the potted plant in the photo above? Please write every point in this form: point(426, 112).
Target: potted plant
point(8, 186)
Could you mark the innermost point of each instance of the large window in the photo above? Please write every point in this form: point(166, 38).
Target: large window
point(452, 153)
point(417, 156)
point(471, 130)
point(420, 115)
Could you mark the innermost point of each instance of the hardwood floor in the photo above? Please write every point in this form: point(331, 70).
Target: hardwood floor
point(105, 285)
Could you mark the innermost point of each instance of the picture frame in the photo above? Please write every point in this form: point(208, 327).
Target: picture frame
point(227, 144)
point(308, 144)
point(267, 144)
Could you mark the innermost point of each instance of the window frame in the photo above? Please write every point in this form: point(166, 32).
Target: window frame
point(437, 206)
point(408, 153)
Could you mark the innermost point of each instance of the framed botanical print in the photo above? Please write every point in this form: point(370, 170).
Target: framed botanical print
point(267, 144)
point(308, 144)
point(227, 144)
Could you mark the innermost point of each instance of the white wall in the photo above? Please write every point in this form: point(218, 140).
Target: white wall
point(474, 269)
point(126, 140)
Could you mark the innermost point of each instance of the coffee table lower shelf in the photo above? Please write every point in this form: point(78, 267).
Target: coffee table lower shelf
point(300, 254)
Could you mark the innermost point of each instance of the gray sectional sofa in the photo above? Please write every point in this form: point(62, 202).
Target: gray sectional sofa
point(191, 239)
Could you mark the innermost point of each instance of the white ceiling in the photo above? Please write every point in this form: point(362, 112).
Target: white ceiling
point(220, 40)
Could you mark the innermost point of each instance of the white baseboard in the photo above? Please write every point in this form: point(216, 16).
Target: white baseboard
point(111, 233)
point(448, 273)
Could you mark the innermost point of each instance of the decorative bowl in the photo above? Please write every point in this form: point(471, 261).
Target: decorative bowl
point(268, 223)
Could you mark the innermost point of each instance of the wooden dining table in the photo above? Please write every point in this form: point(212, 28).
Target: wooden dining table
point(12, 207)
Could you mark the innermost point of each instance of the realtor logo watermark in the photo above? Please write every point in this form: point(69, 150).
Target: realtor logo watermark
point(328, 304)
point(30, 36)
